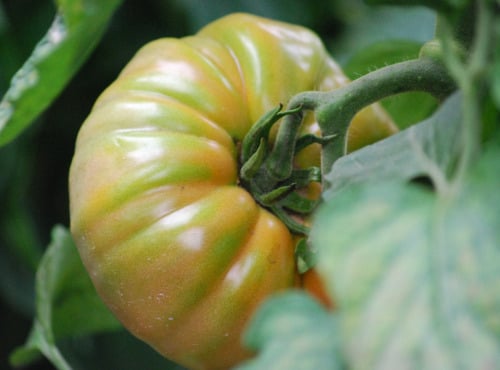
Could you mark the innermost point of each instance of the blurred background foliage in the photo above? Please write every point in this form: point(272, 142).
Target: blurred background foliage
point(34, 167)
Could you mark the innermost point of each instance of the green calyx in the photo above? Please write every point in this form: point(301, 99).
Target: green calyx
point(267, 169)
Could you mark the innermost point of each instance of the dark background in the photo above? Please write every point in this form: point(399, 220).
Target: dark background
point(34, 167)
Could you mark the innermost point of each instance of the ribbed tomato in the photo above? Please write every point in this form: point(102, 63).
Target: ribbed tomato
point(178, 251)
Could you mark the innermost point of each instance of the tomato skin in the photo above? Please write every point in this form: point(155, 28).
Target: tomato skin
point(176, 249)
point(312, 283)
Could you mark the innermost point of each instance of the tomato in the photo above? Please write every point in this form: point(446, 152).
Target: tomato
point(178, 251)
point(312, 283)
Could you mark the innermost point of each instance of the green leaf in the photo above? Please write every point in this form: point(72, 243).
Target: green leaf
point(415, 273)
point(66, 303)
point(76, 29)
point(367, 25)
point(409, 108)
point(293, 332)
point(380, 54)
point(425, 149)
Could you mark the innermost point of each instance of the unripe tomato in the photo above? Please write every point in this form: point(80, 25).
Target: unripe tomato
point(178, 251)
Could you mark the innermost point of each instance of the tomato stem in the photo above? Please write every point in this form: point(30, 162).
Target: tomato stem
point(335, 109)
point(269, 174)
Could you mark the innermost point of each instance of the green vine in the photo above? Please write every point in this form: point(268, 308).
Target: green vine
point(269, 174)
point(469, 74)
point(443, 66)
point(335, 109)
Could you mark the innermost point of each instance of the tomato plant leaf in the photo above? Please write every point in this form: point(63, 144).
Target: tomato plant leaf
point(416, 273)
point(366, 25)
point(380, 54)
point(427, 149)
point(76, 29)
point(292, 332)
point(66, 303)
point(408, 108)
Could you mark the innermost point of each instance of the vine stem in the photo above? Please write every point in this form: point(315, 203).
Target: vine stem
point(469, 75)
point(335, 109)
point(270, 174)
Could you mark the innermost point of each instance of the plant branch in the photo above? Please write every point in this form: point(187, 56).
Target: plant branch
point(270, 176)
point(470, 77)
point(335, 109)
